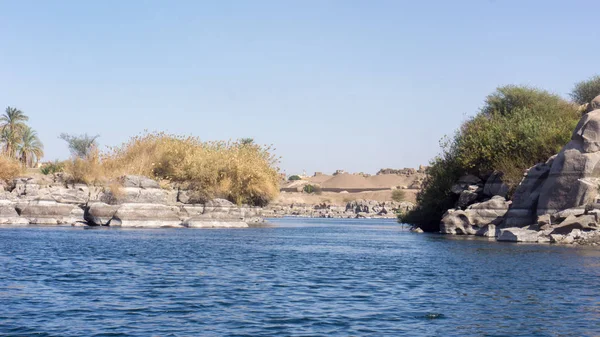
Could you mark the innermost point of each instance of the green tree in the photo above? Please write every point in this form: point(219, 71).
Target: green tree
point(294, 177)
point(30, 148)
point(80, 145)
point(516, 128)
point(586, 91)
point(12, 123)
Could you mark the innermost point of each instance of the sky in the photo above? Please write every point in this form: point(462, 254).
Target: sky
point(353, 85)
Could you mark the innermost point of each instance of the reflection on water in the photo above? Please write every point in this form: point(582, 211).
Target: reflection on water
point(299, 277)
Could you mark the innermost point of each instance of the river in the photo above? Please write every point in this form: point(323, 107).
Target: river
point(297, 277)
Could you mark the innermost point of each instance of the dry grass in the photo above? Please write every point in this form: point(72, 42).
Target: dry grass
point(10, 168)
point(242, 173)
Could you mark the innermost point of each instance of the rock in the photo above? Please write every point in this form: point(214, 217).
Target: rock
point(190, 197)
point(9, 215)
point(45, 212)
point(146, 215)
point(75, 194)
point(129, 195)
point(99, 213)
point(564, 214)
point(574, 175)
point(197, 223)
point(466, 198)
point(495, 186)
point(416, 230)
point(525, 199)
point(583, 222)
point(543, 220)
point(475, 217)
point(188, 211)
point(487, 231)
point(595, 103)
point(517, 234)
point(138, 181)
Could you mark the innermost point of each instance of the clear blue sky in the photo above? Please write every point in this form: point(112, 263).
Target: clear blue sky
point(355, 85)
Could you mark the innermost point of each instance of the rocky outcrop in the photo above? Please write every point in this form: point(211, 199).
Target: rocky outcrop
point(353, 209)
point(133, 202)
point(475, 219)
point(523, 210)
point(557, 201)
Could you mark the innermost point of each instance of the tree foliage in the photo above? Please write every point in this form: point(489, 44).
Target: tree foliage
point(586, 91)
point(80, 146)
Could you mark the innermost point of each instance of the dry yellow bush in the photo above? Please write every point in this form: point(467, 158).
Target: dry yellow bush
point(240, 172)
point(9, 168)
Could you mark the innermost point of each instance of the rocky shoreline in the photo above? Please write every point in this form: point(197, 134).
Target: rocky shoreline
point(135, 202)
point(356, 209)
point(557, 201)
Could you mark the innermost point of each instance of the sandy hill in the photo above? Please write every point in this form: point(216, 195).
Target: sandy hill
point(349, 181)
point(320, 178)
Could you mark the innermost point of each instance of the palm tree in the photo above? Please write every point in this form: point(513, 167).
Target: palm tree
point(12, 124)
point(30, 147)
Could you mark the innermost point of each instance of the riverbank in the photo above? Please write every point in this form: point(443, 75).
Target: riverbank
point(131, 201)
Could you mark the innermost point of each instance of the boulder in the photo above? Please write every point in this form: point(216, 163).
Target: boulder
point(99, 213)
point(525, 199)
point(146, 215)
point(466, 198)
point(495, 186)
point(572, 181)
point(45, 212)
point(475, 217)
point(9, 215)
point(583, 222)
point(517, 234)
point(489, 231)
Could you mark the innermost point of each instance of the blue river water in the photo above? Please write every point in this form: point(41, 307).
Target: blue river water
point(298, 277)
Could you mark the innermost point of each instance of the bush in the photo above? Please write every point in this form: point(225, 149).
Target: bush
point(586, 91)
point(312, 189)
point(52, 167)
point(294, 177)
point(239, 172)
point(517, 128)
point(398, 195)
point(10, 168)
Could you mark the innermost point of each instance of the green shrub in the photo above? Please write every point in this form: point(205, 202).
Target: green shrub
point(294, 177)
point(585, 91)
point(52, 167)
point(312, 189)
point(516, 128)
point(398, 195)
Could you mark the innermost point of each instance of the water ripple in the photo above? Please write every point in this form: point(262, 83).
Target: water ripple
point(299, 278)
